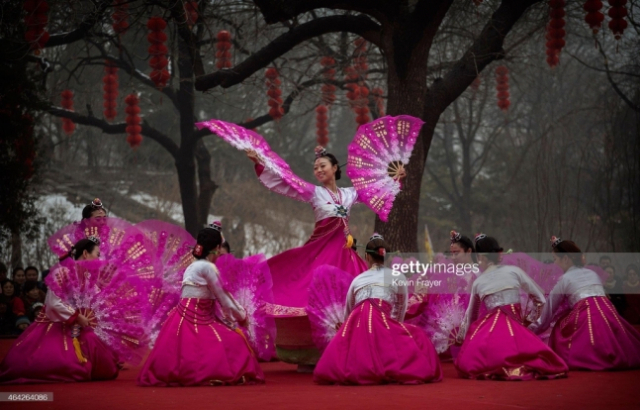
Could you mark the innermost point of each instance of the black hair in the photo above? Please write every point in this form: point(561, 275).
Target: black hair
point(465, 243)
point(490, 247)
point(31, 268)
point(632, 267)
point(3, 268)
point(29, 286)
point(374, 248)
point(226, 245)
point(571, 250)
point(607, 257)
point(80, 246)
point(355, 244)
point(88, 210)
point(208, 240)
point(334, 161)
point(16, 269)
point(4, 282)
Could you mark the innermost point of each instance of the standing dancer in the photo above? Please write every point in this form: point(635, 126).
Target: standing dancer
point(194, 347)
point(374, 346)
point(498, 345)
point(591, 335)
point(60, 346)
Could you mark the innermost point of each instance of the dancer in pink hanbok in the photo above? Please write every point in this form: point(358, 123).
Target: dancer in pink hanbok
point(373, 345)
point(498, 345)
point(195, 347)
point(88, 324)
point(590, 335)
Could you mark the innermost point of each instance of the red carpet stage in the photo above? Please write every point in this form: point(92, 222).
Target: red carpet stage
point(287, 389)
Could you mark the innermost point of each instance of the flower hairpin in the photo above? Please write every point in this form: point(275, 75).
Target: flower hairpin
point(97, 204)
point(480, 236)
point(555, 241)
point(455, 236)
point(94, 239)
point(376, 236)
point(197, 251)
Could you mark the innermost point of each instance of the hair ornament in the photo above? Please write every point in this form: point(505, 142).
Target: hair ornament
point(555, 241)
point(94, 239)
point(197, 251)
point(376, 236)
point(97, 204)
point(321, 153)
point(215, 225)
point(455, 236)
point(382, 251)
point(480, 236)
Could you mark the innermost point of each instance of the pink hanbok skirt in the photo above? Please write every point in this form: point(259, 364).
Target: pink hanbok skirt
point(593, 336)
point(195, 349)
point(45, 353)
point(499, 347)
point(371, 348)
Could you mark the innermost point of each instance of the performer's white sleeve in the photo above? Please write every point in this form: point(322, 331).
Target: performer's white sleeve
point(58, 311)
point(275, 183)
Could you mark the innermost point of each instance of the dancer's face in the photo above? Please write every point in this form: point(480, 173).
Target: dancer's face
point(324, 171)
point(98, 217)
point(89, 256)
point(19, 277)
point(458, 254)
point(7, 289)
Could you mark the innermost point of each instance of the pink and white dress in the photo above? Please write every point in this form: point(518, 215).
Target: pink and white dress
point(195, 346)
point(498, 345)
point(590, 335)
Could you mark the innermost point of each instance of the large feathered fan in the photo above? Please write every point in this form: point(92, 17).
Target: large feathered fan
point(377, 156)
point(244, 139)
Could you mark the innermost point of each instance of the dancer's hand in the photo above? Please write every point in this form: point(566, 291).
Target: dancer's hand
point(253, 156)
point(402, 174)
point(82, 320)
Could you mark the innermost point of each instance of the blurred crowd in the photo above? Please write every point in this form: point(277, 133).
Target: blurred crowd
point(22, 299)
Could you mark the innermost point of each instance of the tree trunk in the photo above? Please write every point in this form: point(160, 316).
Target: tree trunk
point(16, 250)
point(206, 186)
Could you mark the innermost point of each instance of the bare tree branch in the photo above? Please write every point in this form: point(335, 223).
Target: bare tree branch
point(360, 25)
point(275, 11)
point(120, 128)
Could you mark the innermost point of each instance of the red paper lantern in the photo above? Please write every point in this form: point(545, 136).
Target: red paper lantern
point(555, 32)
point(594, 16)
point(377, 96)
point(110, 88)
point(120, 16)
point(273, 91)
point(191, 12)
point(158, 51)
point(322, 126)
point(618, 12)
point(329, 72)
point(36, 20)
point(223, 49)
point(67, 103)
point(502, 86)
point(133, 121)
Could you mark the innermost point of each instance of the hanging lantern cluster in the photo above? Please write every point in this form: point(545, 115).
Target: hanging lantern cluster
point(594, 17)
point(110, 88)
point(555, 32)
point(134, 139)
point(361, 68)
point(120, 16)
point(158, 51)
point(377, 94)
point(618, 12)
point(223, 49)
point(329, 72)
point(322, 125)
point(67, 103)
point(36, 20)
point(273, 91)
point(502, 86)
point(191, 12)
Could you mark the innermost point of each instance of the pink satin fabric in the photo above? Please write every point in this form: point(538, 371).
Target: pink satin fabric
point(292, 270)
point(195, 349)
point(497, 346)
point(371, 348)
point(44, 353)
point(593, 336)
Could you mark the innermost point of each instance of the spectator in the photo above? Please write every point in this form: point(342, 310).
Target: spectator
point(15, 303)
point(3, 271)
point(631, 289)
point(32, 295)
point(613, 288)
point(225, 248)
point(605, 261)
point(32, 274)
point(19, 278)
point(7, 319)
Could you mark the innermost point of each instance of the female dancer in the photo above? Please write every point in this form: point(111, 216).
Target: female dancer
point(330, 244)
point(195, 347)
point(60, 346)
point(499, 346)
point(591, 335)
point(374, 346)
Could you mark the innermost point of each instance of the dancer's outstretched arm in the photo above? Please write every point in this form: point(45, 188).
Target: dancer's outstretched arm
point(293, 187)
